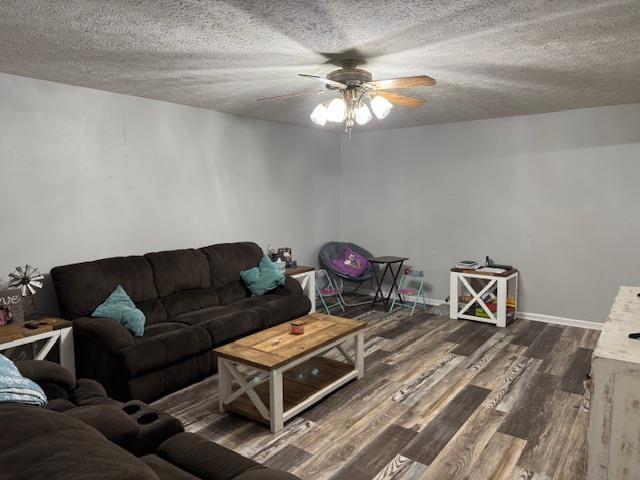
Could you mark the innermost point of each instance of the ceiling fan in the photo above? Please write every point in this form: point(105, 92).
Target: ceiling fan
point(356, 88)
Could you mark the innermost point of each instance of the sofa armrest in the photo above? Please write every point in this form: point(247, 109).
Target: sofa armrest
point(108, 332)
point(209, 461)
point(43, 371)
point(291, 287)
point(109, 420)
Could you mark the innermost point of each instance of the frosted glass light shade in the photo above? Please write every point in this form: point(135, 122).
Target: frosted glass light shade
point(337, 110)
point(363, 115)
point(381, 106)
point(319, 115)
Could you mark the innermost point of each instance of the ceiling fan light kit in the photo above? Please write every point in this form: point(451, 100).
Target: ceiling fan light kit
point(363, 115)
point(381, 107)
point(320, 114)
point(355, 88)
point(337, 110)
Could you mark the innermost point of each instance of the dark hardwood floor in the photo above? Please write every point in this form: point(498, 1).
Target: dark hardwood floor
point(441, 399)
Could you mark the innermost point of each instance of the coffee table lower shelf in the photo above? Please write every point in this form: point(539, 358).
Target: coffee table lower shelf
point(303, 385)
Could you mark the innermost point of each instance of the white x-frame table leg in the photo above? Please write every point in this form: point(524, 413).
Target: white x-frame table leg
point(275, 413)
point(493, 288)
point(479, 296)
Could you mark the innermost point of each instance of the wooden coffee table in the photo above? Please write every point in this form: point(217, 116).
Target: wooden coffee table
point(289, 372)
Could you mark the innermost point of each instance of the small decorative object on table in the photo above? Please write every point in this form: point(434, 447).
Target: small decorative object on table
point(28, 279)
point(282, 254)
point(10, 306)
point(297, 327)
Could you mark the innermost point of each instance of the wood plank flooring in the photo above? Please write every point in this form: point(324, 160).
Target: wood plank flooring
point(441, 399)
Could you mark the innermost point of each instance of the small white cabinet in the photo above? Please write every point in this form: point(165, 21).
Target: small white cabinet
point(614, 419)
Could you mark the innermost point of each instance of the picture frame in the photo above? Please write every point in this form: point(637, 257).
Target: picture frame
point(11, 307)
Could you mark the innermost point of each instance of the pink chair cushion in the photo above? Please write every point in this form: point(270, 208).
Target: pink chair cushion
point(408, 291)
point(328, 292)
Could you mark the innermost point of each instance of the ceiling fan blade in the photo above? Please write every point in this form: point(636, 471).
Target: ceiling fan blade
point(404, 82)
point(277, 97)
point(326, 81)
point(401, 100)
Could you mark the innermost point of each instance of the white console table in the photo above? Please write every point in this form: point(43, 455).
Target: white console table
point(307, 278)
point(488, 288)
point(614, 415)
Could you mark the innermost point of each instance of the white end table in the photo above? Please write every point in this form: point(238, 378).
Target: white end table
point(493, 288)
point(307, 278)
point(53, 330)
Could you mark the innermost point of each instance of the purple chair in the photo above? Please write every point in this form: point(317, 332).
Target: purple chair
point(335, 250)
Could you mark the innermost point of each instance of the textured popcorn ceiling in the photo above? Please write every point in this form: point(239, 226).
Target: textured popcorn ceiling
point(490, 58)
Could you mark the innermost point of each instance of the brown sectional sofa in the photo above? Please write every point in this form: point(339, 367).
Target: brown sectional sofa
point(83, 434)
point(193, 300)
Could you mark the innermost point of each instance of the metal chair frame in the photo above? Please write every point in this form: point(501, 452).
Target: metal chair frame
point(420, 292)
point(339, 301)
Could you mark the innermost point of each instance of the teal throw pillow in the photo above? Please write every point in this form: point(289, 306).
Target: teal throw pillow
point(266, 276)
point(121, 308)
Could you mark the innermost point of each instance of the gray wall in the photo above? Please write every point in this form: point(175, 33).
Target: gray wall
point(88, 174)
point(557, 195)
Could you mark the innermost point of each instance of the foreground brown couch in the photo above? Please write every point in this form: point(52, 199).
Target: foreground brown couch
point(193, 300)
point(92, 437)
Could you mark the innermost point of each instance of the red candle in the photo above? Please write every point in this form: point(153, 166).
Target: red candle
point(297, 328)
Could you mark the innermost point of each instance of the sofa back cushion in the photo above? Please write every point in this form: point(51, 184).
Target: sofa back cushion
point(83, 286)
point(182, 280)
point(226, 261)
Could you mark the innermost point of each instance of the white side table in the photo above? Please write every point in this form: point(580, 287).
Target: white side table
point(307, 278)
point(53, 330)
point(493, 288)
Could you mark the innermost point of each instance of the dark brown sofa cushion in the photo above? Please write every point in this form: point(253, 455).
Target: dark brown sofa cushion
point(39, 444)
point(226, 261)
point(82, 287)
point(43, 371)
point(153, 352)
point(182, 280)
point(152, 385)
point(274, 309)
point(197, 317)
point(190, 300)
point(230, 326)
point(177, 270)
point(89, 392)
point(210, 461)
point(165, 470)
point(109, 420)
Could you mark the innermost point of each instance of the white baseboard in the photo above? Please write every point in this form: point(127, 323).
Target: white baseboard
point(535, 317)
point(570, 322)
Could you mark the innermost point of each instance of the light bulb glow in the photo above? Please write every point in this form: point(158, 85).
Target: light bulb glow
point(381, 106)
point(337, 110)
point(319, 115)
point(363, 115)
